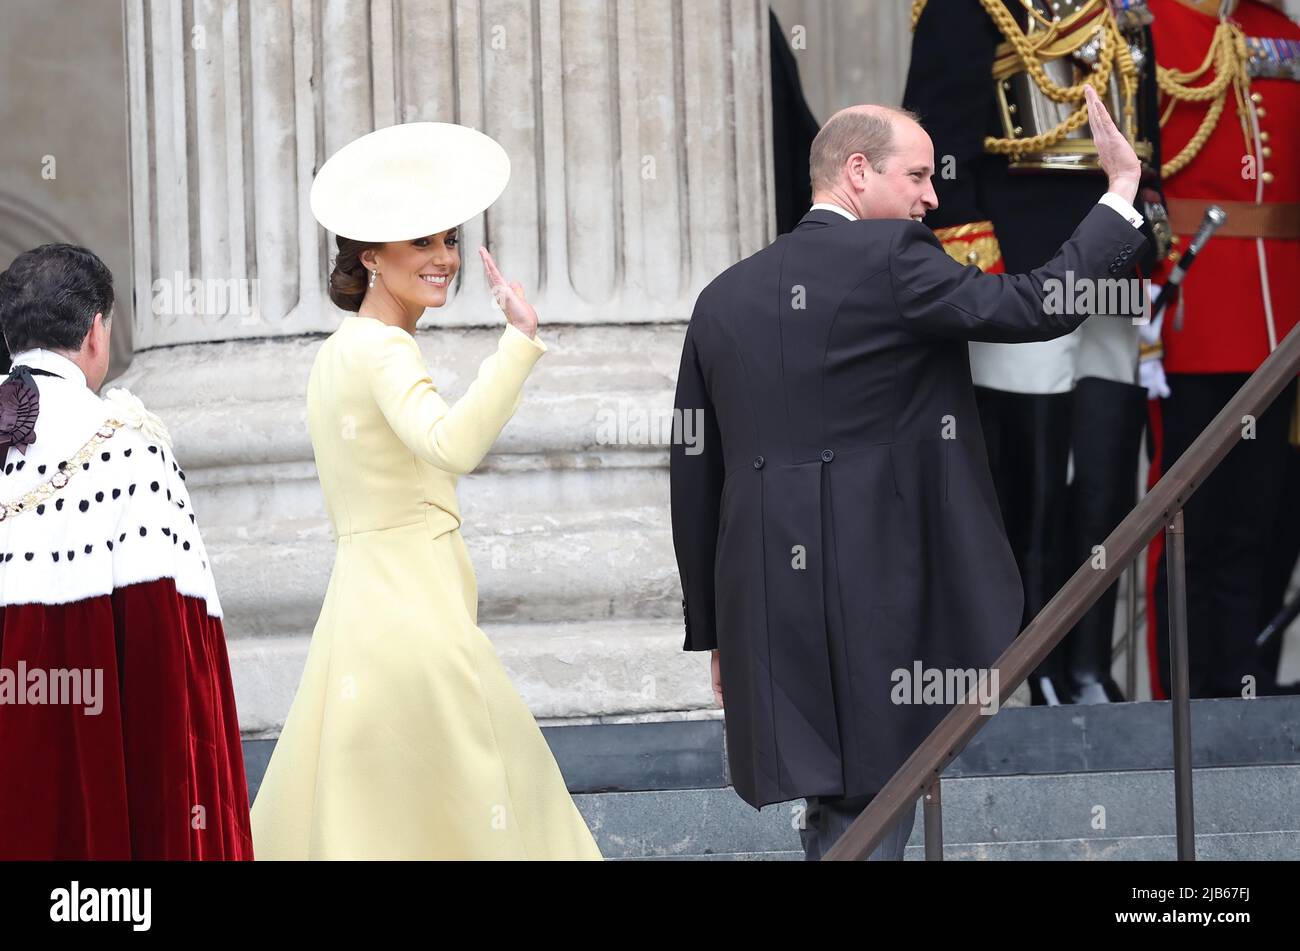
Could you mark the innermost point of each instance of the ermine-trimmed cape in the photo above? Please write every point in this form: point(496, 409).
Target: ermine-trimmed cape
point(118, 731)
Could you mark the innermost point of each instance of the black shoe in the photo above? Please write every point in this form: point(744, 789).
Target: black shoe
point(1113, 693)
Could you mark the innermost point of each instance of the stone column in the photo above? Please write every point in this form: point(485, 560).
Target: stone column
point(848, 53)
point(63, 165)
point(639, 134)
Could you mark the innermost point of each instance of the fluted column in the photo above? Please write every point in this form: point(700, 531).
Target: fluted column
point(640, 137)
point(848, 52)
point(638, 132)
point(63, 169)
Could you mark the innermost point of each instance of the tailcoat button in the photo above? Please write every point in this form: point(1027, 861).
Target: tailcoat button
point(760, 462)
point(828, 456)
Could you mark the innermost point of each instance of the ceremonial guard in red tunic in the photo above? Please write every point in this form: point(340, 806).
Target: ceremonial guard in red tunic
point(999, 85)
point(1230, 103)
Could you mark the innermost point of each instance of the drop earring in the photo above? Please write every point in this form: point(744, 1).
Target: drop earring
point(374, 276)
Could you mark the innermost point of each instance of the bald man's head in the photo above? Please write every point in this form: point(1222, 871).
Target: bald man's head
point(866, 130)
point(874, 161)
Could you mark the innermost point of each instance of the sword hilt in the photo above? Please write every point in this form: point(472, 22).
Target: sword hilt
point(1213, 220)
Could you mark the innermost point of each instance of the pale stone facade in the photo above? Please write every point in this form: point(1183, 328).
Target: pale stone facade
point(640, 136)
point(848, 53)
point(63, 174)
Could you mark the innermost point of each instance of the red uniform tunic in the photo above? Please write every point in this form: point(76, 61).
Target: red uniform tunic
point(1226, 296)
point(1243, 295)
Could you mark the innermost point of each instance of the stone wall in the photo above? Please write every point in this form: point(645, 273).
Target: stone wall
point(639, 133)
point(63, 152)
point(848, 53)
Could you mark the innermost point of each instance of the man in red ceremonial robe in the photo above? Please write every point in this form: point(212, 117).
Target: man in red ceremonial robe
point(118, 732)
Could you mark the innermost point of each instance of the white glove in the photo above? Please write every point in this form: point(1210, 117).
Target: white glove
point(1149, 333)
point(1151, 374)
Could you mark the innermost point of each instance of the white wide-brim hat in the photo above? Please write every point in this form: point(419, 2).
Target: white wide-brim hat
point(409, 181)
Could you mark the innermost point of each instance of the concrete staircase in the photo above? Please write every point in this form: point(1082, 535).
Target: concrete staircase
point(1037, 783)
point(1062, 783)
point(1241, 813)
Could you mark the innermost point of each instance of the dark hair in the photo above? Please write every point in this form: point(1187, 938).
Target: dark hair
point(350, 279)
point(50, 295)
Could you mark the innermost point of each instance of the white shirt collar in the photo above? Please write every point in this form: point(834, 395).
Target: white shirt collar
point(827, 206)
point(53, 362)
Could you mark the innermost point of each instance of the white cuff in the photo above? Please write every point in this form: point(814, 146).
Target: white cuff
point(1123, 208)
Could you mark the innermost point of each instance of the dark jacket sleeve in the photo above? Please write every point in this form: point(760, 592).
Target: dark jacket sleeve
point(937, 297)
point(696, 474)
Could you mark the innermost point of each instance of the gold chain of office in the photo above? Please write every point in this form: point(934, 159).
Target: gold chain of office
point(1112, 52)
point(1229, 58)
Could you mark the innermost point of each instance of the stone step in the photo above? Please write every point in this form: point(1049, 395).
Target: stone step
point(1241, 813)
point(1075, 783)
point(1138, 804)
point(724, 857)
point(1226, 847)
point(594, 381)
point(688, 822)
point(1235, 847)
point(563, 671)
point(589, 559)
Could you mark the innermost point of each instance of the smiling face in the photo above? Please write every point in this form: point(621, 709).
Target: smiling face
point(902, 189)
point(874, 162)
point(415, 274)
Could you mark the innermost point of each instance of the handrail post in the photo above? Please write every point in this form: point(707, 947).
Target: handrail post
point(1181, 691)
point(1131, 661)
point(933, 813)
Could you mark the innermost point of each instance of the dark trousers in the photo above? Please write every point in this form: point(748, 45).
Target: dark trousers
point(1027, 437)
point(829, 818)
point(1053, 523)
point(1109, 418)
point(1229, 525)
point(1284, 551)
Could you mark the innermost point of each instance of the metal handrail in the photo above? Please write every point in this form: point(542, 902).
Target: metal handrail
point(1160, 509)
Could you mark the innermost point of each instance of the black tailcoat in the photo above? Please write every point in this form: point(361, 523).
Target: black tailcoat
point(834, 518)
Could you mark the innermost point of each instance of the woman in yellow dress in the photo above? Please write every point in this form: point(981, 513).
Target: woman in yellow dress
point(406, 739)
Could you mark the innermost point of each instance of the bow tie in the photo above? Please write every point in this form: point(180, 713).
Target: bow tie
point(20, 404)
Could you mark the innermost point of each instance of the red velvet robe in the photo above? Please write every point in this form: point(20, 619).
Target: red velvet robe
point(109, 577)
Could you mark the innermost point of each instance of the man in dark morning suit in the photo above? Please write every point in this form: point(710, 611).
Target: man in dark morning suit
point(835, 521)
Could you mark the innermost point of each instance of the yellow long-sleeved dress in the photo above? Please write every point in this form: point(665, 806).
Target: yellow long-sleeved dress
point(406, 738)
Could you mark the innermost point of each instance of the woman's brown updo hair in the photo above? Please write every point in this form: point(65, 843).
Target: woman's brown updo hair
point(350, 279)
